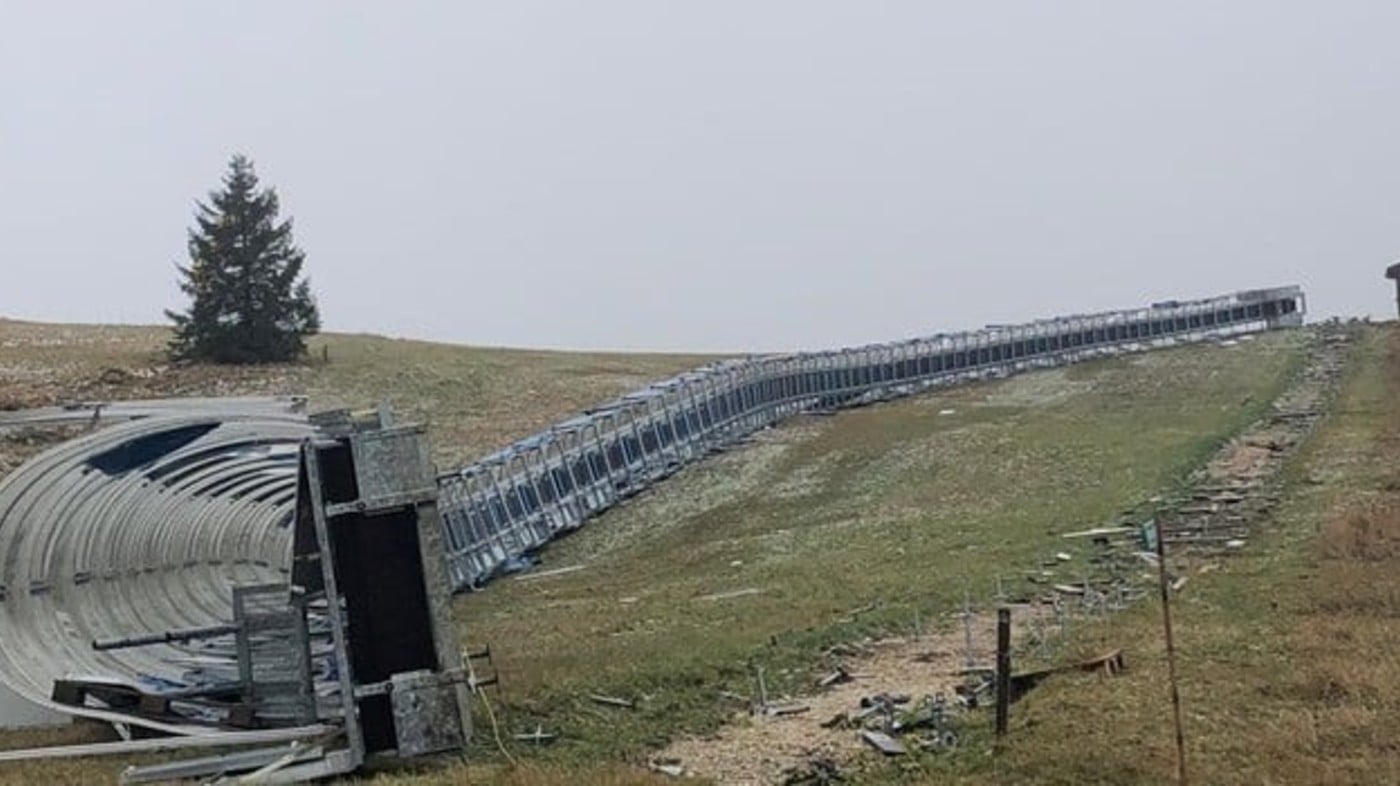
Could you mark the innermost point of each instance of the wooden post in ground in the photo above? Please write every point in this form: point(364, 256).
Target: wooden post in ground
point(1003, 669)
point(1165, 587)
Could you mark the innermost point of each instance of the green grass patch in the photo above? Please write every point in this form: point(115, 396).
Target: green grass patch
point(883, 511)
point(1287, 652)
point(886, 510)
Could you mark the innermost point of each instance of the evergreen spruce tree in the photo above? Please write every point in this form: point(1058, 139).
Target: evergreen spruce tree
point(250, 303)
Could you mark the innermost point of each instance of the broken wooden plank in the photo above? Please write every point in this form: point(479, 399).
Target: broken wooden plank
point(883, 743)
point(1111, 663)
point(974, 671)
point(888, 699)
point(840, 675)
point(1101, 532)
point(612, 701)
point(670, 767)
point(539, 736)
point(731, 594)
point(784, 710)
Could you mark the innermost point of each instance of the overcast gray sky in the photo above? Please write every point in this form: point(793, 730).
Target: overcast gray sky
point(707, 175)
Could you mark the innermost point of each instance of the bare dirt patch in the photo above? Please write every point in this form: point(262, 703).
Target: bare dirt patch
point(755, 748)
point(1241, 461)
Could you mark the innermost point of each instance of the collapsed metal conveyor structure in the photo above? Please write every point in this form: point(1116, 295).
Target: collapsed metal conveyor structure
point(517, 499)
point(148, 525)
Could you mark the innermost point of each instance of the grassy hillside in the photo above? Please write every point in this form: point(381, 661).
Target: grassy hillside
point(1290, 653)
point(834, 528)
point(762, 554)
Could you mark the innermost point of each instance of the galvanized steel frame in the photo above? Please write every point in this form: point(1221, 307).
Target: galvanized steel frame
point(554, 481)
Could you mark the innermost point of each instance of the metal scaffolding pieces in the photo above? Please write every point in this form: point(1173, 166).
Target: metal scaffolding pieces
point(351, 649)
point(367, 608)
point(519, 498)
point(140, 527)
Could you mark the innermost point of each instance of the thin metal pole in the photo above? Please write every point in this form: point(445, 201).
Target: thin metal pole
point(1164, 587)
point(1003, 669)
point(350, 710)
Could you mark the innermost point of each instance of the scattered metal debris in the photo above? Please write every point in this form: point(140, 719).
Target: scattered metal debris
point(672, 767)
point(939, 742)
point(883, 743)
point(612, 701)
point(351, 656)
point(538, 737)
point(836, 677)
point(731, 594)
point(846, 650)
point(542, 574)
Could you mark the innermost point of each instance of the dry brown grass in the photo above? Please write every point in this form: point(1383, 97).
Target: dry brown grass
point(1289, 654)
point(1348, 643)
point(1366, 534)
point(1345, 648)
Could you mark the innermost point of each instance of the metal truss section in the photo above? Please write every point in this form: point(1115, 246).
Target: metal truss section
point(517, 499)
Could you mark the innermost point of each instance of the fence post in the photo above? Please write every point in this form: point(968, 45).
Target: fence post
point(1165, 589)
point(1003, 669)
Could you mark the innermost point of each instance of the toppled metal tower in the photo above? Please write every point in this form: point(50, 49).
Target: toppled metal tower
point(367, 552)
